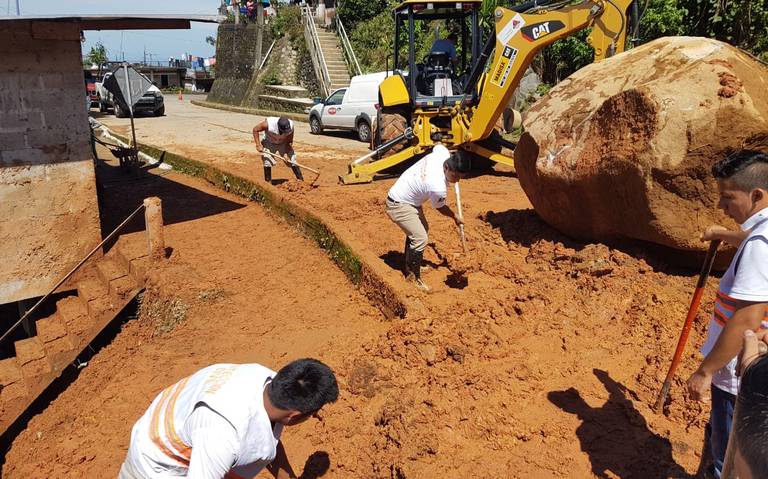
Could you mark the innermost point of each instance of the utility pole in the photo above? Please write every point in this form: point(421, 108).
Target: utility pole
point(236, 6)
point(18, 8)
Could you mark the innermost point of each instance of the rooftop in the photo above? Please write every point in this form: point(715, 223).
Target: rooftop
point(120, 22)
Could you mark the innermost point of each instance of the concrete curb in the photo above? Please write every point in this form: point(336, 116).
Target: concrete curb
point(250, 111)
point(358, 270)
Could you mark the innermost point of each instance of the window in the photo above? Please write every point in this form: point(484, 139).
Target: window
point(336, 97)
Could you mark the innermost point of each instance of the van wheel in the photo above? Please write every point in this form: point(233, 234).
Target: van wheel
point(364, 131)
point(314, 126)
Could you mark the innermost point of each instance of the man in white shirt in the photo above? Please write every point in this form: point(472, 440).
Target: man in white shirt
point(742, 298)
point(276, 135)
point(225, 421)
point(426, 180)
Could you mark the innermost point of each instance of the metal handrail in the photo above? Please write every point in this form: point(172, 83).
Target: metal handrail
point(267, 55)
point(68, 275)
point(318, 59)
point(347, 46)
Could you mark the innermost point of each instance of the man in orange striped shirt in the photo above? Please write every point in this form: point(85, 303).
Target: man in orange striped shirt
point(225, 421)
point(742, 297)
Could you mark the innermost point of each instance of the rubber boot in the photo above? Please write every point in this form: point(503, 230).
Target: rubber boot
point(268, 174)
point(414, 274)
point(297, 172)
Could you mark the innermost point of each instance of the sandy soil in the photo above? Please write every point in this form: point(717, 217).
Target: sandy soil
point(535, 356)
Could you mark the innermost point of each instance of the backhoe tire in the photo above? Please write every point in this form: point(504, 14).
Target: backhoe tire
point(389, 126)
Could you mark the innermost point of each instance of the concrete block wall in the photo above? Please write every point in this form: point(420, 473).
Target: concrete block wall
point(48, 200)
point(236, 57)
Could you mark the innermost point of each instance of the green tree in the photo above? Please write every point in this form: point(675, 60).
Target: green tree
point(743, 23)
point(97, 55)
point(353, 12)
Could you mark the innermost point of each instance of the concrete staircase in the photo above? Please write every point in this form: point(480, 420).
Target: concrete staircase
point(334, 58)
point(287, 98)
point(104, 288)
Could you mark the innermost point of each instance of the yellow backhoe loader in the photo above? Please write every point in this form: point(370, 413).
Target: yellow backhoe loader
point(458, 101)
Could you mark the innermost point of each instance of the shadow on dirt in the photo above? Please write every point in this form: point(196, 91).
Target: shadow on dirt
point(616, 436)
point(526, 228)
point(316, 466)
point(121, 192)
point(396, 261)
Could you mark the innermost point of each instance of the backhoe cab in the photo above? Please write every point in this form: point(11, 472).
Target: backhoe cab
point(435, 99)
point(439, 79)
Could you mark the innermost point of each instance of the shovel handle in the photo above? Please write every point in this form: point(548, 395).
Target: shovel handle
point(461, 215)
point(275, 157)
point(692, 310)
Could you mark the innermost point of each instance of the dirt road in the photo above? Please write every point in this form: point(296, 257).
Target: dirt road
point(540, 361)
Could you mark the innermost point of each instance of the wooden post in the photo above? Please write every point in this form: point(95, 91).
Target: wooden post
point(153, 216)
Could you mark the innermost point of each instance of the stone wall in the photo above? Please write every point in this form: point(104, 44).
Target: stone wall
point(237, 61)
point(48, 201)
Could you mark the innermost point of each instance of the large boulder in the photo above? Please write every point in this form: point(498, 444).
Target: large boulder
point(624, 147)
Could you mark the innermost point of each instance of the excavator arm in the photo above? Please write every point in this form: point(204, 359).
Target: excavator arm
point(520, 33)
point(520, 36)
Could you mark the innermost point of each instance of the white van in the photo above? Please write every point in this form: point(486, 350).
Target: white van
point(352, 108)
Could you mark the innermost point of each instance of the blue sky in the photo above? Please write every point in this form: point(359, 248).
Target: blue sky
point(161, 44)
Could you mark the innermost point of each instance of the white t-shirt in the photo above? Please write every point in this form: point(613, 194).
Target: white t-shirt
point(745, 280)
point(423, 181)
point(206, 438)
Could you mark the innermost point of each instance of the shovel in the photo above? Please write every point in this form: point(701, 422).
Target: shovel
point(692, 310)
point(461, 216)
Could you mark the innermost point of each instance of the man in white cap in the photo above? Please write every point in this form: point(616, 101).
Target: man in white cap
point(276, 136)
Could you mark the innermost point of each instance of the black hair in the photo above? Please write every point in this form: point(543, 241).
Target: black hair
point(304, 385)
point(459, 161)
point(453, 36)
point(283, 123)
point(748, 169)
point(751, 422)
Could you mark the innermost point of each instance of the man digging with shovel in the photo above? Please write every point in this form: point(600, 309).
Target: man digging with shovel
point(276, 136)
point(426, 180)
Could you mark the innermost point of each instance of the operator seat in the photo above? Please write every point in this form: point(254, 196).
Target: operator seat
point(436, 67)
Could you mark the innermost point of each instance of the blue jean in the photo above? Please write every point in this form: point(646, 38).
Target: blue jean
point(720, 420)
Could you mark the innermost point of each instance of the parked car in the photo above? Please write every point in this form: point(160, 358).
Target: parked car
point(152, 101)
point(352, 108)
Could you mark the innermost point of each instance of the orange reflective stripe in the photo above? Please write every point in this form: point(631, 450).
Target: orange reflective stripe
point(719, 318)
point(725, 305)
point(154, 429)
point(726, 299)
point(170, 429)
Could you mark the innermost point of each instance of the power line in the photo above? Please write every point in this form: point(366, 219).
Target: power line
point(164, 37)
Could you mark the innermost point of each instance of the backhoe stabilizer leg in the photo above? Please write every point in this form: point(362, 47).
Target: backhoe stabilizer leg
point(363, 173)
point(490, 154)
